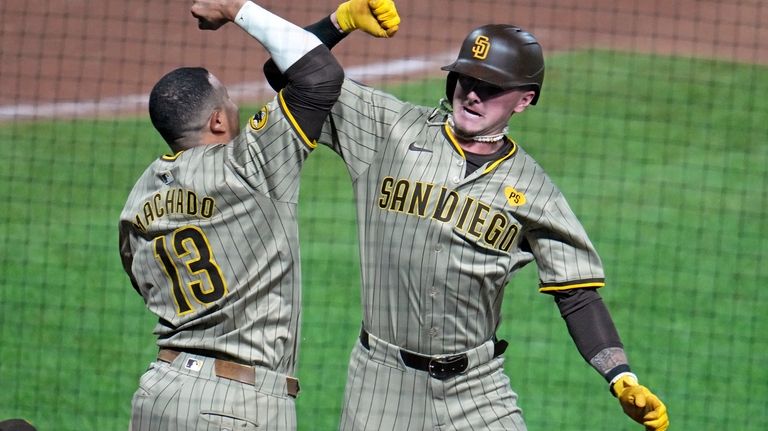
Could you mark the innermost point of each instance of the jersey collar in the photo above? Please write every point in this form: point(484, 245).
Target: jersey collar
point(491, 166)
point(171, 157)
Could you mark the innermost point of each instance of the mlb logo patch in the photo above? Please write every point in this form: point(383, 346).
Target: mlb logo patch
point(166, 177)
point(193, 364)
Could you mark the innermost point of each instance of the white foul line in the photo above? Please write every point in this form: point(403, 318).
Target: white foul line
point(369, 72)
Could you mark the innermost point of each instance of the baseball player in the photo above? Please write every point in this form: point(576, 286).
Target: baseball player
point(209, 238)
point(449, 208)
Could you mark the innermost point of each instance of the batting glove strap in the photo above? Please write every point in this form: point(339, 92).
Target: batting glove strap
point(639, 403)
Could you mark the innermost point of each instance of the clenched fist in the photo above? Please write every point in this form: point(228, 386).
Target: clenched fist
point(640, 404)
point(212, 14)
point(375, 17)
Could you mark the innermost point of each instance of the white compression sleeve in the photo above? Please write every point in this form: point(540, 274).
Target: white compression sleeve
point(285, 41)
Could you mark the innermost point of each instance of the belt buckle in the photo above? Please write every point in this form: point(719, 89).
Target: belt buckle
point(445, 367)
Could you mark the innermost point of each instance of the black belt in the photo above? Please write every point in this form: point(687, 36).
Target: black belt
point(439, 367)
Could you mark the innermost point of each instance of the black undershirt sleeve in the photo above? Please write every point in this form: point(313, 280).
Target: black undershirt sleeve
point(328, 34)
point(313, 84)
point(589, 323)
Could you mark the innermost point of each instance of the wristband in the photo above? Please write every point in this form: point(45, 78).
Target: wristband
point(610, 376)
point(617, 378)
point(326, 32)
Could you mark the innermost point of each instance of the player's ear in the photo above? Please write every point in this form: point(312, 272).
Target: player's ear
point(217, 122)
point(524, 101)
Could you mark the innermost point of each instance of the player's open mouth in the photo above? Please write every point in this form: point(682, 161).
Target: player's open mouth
point(471, 112)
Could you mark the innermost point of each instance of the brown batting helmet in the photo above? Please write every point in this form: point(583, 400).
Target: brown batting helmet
point(502, 55)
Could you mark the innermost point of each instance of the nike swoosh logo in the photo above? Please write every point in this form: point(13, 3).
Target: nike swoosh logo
point(413, 147)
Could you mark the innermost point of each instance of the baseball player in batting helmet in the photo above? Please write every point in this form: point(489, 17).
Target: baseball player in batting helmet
point(209, 236)
point(516, 61)
point(449, 208)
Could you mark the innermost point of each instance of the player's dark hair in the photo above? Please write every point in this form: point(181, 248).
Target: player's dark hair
point(179, 100)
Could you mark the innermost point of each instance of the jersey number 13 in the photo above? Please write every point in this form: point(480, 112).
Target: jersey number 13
point(191, 252)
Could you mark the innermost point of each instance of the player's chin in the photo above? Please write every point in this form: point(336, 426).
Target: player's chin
point(467, 128)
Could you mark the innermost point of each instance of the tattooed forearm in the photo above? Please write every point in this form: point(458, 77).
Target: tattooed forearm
point(607, 359)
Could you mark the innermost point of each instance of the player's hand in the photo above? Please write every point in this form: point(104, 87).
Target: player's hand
point(212, 14)
point(640, 404)
point(375, 17)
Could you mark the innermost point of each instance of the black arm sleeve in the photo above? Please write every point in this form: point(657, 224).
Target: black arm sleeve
point(328, 34)
point(588, 321)
point(313, 86)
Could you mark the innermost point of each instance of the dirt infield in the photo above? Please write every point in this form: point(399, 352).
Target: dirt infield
point(88, 56)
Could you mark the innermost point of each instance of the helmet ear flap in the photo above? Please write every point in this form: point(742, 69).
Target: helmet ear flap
point(450, 85)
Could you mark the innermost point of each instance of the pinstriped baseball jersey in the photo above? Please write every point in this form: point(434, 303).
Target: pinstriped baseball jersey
point(209, 238)
point(438, 247)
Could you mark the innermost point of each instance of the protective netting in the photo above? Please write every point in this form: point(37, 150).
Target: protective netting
point(652, 121)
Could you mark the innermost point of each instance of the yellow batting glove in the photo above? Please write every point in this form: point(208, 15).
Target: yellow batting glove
point(639, 403)
point(386, 14)
point(375, 17)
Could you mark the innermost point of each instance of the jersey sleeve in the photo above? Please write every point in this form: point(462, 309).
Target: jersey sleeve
point(271, 149)
point(360, 121)
point(564, 254)
point(126, 252)
point(268, 154)
point(314, 83)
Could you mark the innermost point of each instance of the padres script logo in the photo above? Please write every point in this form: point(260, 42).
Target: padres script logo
point(481, 47)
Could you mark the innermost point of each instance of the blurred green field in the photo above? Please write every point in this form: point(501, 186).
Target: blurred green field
point(665, 161)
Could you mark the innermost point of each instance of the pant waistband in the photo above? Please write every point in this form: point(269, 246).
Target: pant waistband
point(231, 370)
point(440, 367)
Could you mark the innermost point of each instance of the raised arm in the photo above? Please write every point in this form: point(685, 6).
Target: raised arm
point(285, 41)
point(313, 76)
point(378, 18)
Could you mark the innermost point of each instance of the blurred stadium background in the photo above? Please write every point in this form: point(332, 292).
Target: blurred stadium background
point(653, 120)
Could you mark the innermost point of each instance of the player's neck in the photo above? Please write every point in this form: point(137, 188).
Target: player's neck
point(476, 147)
point(478, 143)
